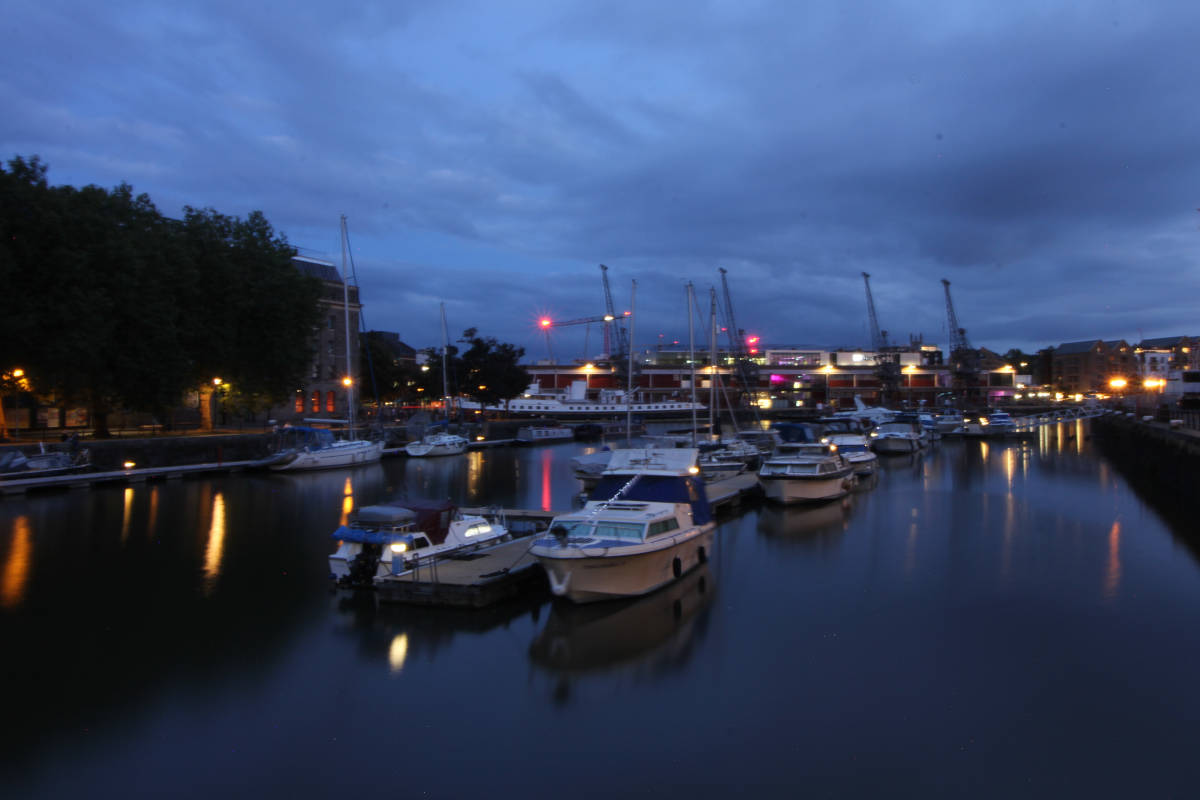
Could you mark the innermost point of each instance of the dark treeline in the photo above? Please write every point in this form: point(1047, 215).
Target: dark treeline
point(108, 304)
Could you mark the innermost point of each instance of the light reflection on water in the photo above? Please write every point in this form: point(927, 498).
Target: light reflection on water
point(957, 616)
point(18, 564)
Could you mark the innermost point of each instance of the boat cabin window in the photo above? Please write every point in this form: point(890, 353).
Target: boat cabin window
point(628, 531)
point(420, 542)
point(478, 529)
point(663, 526)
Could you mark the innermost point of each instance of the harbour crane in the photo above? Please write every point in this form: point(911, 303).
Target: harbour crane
point(887, 360)
point(622, 340)
point(744, 367)
point(964, 360)
point(546, 323)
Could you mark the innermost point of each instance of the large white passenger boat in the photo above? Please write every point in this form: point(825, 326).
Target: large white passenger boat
point(574, 403)
point(647, 523)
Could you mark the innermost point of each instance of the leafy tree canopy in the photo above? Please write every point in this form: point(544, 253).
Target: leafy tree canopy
point(108, 303)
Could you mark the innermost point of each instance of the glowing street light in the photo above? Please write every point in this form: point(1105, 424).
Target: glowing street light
point(1118, 383)
point(347, 381)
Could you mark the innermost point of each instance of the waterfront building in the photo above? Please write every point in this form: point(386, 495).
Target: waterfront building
point(1092, 365)
point(323, 394)
point(786, 377)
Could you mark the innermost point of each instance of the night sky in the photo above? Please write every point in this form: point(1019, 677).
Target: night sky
point(1043, 157)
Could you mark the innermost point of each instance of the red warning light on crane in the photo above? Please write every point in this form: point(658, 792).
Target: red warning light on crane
point(545, 322)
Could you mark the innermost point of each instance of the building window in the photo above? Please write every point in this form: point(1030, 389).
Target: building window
point(330, 403)
point(331, 321)
point(316, 402)
point(299, 403)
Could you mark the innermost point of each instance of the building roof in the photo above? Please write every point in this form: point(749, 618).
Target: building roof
point(1164, 342)
point(1073, 348)
point(325, 270)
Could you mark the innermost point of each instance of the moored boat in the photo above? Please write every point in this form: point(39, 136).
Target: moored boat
point(437, 444)
point(647, 523)
point(305, 448)
point(899, 437)
point(392, 538)
point(805, 473)
point(544, 434)
point(856, 449)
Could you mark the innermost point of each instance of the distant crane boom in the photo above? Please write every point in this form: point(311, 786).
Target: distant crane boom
point(878, 338)
point(622, 343)
point(958, 336)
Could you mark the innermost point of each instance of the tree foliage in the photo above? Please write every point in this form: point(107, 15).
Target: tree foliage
point(109, 304)
point(489, 371)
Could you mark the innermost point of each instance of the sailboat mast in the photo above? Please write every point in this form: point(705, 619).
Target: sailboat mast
point(349, 378)
point(712, 362)
point(629, 381)
point(692, 355)
point(445, 380)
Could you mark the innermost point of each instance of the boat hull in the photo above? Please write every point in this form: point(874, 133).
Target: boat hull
point(591, 578)
point(341, 454)
point(797, 489)
point(896, 444)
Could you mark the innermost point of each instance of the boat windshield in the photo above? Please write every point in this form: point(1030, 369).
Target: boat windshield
point(603, 529)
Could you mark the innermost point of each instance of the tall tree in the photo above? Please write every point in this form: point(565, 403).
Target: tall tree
point(490, 371)
point(107, 303)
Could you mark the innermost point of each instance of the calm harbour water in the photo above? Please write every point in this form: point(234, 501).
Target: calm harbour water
point(987, 620)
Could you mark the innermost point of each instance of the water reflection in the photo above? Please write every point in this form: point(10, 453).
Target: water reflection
point(18, 563)
point(646, 633)
point(1112, 573)
point(818, 526)
point(215, 549)
point(127, 514)
point(395, 635)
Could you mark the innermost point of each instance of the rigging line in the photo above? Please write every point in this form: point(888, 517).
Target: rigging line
point(362, 329)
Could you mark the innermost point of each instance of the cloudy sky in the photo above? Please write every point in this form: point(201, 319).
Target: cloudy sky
point(1043, 157)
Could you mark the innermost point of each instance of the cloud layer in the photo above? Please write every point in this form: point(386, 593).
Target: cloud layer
point(491, 155)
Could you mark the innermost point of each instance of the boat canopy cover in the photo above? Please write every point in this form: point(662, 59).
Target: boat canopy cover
point(655, 488)
point(386, 513)
point(653, 461)
point(431, 517)
point(795, 431)
point(301, 435)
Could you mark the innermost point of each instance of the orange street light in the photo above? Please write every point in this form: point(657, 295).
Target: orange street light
point(1118, 383)
point(347, 381)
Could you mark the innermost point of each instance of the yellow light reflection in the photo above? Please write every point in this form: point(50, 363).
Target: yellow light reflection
point(347, 502)
point(474, 473)
point(397, 653)
point(18, 564)
point(128, 516)
point(153, 513)
point(1112, 572)
point(983, 451)
point(1010, 466)
point(216, 544)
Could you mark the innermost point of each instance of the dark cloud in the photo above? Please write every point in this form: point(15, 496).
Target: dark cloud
point(492, 155)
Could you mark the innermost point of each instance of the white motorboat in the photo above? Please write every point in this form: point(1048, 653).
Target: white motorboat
point(805, 473)
point(393, 538)
point(647, 523)
point(437, 444)
point(1000, 423)
point(589, 467)
point(306, 448)
point(949, 421)
point(898, 437)
point(856, 449)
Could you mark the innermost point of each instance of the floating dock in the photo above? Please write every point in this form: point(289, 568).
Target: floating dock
point(85, 480)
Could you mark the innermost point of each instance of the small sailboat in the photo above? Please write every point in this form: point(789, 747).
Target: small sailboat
point(315, 448)
point(441, 443)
